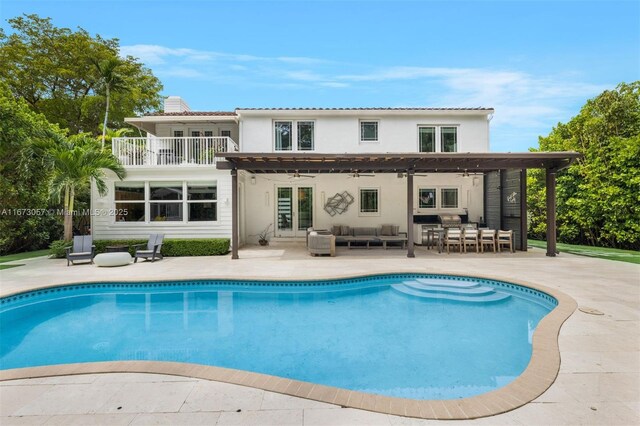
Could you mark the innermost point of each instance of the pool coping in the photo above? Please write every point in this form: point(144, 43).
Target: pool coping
point(540, 374)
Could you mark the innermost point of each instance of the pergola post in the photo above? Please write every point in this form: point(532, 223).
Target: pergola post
point(551, 212)
point(234, 214)
point(410, 247)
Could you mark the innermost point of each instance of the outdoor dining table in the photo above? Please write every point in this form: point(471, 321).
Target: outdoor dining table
point(431, 233)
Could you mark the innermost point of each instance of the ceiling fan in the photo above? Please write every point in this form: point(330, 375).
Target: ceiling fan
point(356, 174)
point(297, 175)
point(466, 173)
point(404, 175)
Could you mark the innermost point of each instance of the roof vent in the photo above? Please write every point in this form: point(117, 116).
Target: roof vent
point(175, 104)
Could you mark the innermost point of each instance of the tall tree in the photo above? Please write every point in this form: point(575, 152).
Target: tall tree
point(75, 162)
point(110, 79)
point(53, 70)
point(599, 196)
point(25, 221)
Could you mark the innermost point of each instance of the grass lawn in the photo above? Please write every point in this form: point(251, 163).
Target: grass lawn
point(21, 256)
point(601, 252)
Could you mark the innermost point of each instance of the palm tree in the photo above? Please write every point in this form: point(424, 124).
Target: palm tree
point(112, 81)
point(75, 162)
point(109, 134)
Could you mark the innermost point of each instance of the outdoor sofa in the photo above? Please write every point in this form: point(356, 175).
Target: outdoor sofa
point(355, 236)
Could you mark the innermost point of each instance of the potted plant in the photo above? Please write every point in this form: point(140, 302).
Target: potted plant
point(262, 236)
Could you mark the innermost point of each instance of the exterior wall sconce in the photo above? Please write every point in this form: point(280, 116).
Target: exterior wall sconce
point(253, 179)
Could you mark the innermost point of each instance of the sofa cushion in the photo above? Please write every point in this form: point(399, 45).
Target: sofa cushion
point(335, 230)
point(390, 230)
point(365, 232)
point(345, 230)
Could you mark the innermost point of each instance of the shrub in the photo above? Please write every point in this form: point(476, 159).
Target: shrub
point(200, 247)
point(57, 249)
point(170, 247)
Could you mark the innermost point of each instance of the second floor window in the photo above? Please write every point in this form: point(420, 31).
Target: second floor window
point(283, 135)
point(427, 139)
point(286, 132)
point(449, 139)
point(368, 131)
point(305, 135)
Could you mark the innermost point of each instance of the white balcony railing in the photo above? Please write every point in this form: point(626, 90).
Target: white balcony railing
point(154, 151)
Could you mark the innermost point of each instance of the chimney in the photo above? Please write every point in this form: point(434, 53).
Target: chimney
point(175, 104)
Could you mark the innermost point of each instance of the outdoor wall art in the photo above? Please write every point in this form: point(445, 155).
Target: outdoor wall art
point(338, 204)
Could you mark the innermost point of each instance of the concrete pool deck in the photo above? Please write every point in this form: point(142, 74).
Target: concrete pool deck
point(598, 381)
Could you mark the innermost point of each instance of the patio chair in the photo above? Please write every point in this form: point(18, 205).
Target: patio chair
point(505, 238)
point(153, 248)
point(488, 236)
point(470, 238)
point(453, 238)
point(83, 249)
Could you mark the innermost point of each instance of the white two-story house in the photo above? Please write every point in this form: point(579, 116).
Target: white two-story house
point(285, 170)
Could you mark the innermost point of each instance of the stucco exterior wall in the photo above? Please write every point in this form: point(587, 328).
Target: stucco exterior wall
point(260, 199)
point(340, 133)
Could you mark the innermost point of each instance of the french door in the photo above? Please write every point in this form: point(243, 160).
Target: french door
point(294, 210)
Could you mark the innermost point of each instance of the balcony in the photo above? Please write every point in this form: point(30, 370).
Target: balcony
point(170, 151)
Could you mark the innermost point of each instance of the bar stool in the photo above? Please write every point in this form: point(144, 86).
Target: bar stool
point(505, 238)
point(488, 236)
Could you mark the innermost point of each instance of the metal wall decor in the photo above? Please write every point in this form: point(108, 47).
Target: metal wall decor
point(339, 203)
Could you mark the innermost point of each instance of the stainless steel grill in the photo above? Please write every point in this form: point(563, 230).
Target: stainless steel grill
point(450, 220)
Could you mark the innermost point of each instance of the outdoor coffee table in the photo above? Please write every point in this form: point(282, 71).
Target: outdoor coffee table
point(392, 239)
point(359, 240)
point(112, 259)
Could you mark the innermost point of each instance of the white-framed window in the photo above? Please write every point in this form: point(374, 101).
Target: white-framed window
point(427, 198)
point(165, 201)
point(369, 201)
point(449, 139)
point(286, 132)
point(225, 133)
point(202, 202)
point(158, 201)
point(130, 201)
point(437, 138)
point(369, 130)
point(283, 135)
point(426, 139)
point(449, 198)
point(305, 135)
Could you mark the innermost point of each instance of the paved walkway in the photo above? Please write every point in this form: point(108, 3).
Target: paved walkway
point(599, 380)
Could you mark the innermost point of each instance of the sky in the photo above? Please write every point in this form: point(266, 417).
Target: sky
point(535, 62)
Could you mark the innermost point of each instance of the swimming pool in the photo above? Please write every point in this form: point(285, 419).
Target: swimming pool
point(412, 336)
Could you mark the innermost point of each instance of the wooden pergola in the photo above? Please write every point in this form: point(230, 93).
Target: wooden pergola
point(409, 164)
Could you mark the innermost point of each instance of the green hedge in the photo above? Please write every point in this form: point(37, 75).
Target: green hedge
point(170, 247)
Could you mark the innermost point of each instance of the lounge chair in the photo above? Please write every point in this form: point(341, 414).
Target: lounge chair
point(321, 242)
point(153, 248)
point(83, 249)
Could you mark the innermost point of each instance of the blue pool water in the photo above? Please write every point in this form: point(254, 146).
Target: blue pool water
point(413, 336)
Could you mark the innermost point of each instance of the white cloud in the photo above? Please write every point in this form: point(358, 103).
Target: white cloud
point(522, 100)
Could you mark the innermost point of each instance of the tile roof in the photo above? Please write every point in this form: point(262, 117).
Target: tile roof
point(190, 113)
point(368, 109)
point(234, 113)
